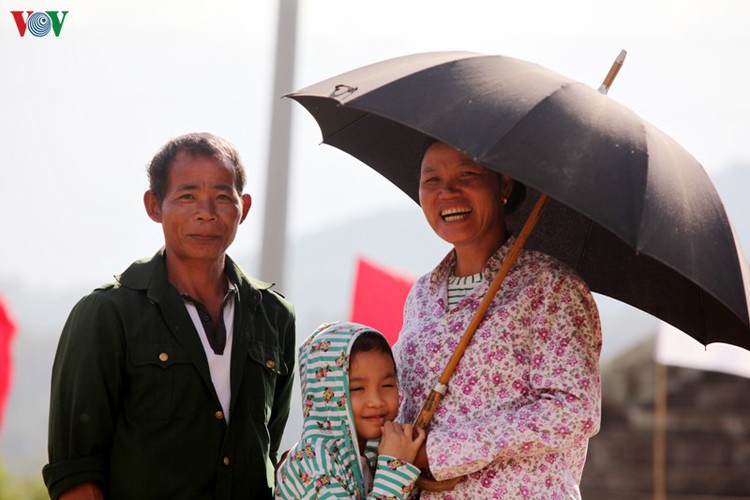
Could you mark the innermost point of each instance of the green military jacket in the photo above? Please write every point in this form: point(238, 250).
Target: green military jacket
point(133, 407)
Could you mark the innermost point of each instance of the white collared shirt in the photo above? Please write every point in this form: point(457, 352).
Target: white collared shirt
point(218, 364)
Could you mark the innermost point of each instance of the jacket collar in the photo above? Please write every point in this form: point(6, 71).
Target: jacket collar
point(151, 274)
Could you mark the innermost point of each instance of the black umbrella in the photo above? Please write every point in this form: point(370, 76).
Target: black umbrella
point(630, 209)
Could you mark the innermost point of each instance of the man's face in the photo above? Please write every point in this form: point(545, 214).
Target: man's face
point(201, 210)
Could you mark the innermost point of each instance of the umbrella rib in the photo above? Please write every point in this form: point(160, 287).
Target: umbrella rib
point(346, 125)
point(704, 330)
point(639, 244)
point(523, 118)
point(582, 257)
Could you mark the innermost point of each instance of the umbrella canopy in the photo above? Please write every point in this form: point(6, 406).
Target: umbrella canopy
point(630, 209)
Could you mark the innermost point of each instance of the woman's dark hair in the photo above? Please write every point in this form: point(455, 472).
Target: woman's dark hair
point(516, 196)
point(371, 341)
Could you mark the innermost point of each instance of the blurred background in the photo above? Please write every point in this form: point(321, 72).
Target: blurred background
point(83, 112)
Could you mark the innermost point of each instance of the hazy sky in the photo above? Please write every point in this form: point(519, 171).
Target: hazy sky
point(82, 114)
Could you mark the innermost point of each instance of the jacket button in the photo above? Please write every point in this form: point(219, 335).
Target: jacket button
point(226, 460)
point(163, 357)
point(219, 415)
point(270, 364)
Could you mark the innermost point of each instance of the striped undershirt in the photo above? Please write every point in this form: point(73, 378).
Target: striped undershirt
point(461, 286)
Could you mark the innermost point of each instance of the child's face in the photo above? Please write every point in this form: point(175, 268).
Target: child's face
point(373, 388)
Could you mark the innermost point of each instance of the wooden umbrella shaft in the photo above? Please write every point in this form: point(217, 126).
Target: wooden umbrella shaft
point(436, 394)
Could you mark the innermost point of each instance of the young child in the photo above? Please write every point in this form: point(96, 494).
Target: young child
point(350, 396)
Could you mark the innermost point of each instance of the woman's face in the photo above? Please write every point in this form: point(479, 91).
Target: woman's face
point(462, 201)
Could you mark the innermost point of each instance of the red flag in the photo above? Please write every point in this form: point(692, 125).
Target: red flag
point(379, 296)
point(7, 330)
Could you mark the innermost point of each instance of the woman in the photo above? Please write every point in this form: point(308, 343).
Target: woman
point(525, 397)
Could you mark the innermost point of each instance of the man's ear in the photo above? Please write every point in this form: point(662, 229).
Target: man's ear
point(247, 202)
point(153, 208)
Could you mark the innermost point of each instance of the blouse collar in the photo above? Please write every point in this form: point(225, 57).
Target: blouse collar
point(439, 276)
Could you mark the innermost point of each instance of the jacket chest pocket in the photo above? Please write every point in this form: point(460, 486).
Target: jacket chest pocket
point(265, 365)
point(162, 383)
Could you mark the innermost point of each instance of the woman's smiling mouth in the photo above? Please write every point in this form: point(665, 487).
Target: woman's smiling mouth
point(455, 214)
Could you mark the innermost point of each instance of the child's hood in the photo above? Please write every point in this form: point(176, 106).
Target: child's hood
point(324, 377)
point(328, 454)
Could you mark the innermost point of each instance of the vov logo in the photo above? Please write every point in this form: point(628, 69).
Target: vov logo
point(39, 23)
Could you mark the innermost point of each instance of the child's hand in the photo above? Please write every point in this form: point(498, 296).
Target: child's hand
point(398, 441)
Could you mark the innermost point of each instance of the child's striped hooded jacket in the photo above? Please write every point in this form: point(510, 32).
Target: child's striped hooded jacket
point(325, 462)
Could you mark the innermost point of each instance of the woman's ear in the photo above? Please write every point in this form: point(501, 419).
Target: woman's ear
point(506, 186)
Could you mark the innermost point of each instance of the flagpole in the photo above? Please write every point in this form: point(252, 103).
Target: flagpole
point(277, 174)
point(660, 431)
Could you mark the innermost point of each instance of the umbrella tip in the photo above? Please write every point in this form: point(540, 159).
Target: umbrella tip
point(604, 88)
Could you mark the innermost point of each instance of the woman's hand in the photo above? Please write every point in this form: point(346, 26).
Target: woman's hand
point(398, 440)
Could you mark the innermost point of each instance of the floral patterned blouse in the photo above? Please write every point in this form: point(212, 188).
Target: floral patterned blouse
point(525, 398)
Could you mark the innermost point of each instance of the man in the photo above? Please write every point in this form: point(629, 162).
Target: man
point(175, 381)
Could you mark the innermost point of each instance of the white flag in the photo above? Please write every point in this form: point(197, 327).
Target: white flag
point(676, 348)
